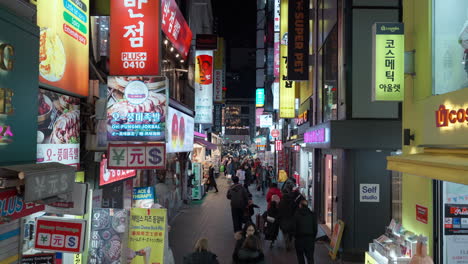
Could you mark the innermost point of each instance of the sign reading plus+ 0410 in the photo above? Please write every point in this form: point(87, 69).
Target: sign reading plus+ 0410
point(388, 59)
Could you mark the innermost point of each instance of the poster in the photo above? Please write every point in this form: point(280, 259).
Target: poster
point(136, 108)
point(180, 129)
point(143, 197)
point(147, 236)
point(58, 135)
point(64, 39)
point(108, 236)
point(204, 87)
point(456, 219)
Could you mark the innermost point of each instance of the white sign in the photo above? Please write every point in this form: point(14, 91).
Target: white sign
point(369, 193)
point(277, 15)
point(180, 129)
point(204, 87)
point(73, 203)
point(275, 90)
point(137, 156)
point(266, 120)
point(68, 154)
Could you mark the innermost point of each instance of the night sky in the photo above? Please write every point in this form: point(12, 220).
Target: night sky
point(237, 24)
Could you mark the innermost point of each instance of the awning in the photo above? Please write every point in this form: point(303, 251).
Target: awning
point(205, 143)
point(440, 164)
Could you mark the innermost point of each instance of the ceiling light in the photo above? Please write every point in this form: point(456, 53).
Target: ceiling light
point(181, 61)
point(171, 49)
point(165, 41)
point(177, 55)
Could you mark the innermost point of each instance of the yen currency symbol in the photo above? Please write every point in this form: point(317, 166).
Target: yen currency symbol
point(118, 157)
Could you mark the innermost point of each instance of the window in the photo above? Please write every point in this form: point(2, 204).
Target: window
point(330, 75)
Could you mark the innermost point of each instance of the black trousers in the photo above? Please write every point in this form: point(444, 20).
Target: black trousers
point(305, 247)
point(237, 218)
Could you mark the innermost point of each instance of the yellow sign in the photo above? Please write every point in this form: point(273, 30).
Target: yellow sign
point(388, 71)
point(369, 259)
point(287, 100)
point(63, 45)
point(147, 235)
point(219, 55)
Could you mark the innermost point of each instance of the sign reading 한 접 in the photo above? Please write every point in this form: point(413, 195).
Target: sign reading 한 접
point(137, 156)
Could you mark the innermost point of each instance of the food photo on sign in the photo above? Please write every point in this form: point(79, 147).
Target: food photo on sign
point(136, 108)
point(58, 135)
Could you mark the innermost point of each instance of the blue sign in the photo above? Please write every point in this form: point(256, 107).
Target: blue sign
point(260, 97)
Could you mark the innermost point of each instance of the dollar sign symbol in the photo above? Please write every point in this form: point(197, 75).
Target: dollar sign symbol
point(155, 154)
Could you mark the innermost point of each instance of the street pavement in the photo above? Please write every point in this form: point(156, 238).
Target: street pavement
point(212, 219)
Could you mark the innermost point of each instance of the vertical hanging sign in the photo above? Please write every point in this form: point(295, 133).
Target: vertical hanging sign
point(388, 62)
point(287, 87)
point(298, 35)
point(134, 37)
point(260, 97)
point(204, 87)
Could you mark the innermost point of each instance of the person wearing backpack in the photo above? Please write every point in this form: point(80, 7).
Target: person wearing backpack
point(239, 199)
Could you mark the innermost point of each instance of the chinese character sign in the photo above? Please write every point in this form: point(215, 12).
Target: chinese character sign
point(63, 51)
point(136, 108)
point(388, 62)
point(287, 87)
point(134, 37)
point(59, 235)
point(137, 156)
point(147, 236)
point(175, 27)
point(204, 87)
point(58, 134)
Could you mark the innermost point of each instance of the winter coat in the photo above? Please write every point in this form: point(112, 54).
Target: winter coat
point(201, 257)
point(288, 185)
point(272, 223)
point(248, 176)
point(305, 223)
point(286, 208)
point(271, 192)
point(247, 256)
point(238, 195)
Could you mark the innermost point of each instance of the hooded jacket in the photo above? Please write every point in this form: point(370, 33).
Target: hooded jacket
point(238, 196)
point(201, 257)
point(305, 223)
point(247, 256)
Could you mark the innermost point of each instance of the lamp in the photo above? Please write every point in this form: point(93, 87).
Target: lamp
point(407, 137)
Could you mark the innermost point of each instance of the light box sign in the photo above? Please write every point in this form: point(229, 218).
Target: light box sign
point(218, 85)
point(64, 51)
point(315, 136)
point(58, 133)
point(12, 206)
point(60, 235)
point(137, 156)
point(287, 87)
point(298, 35)
point(180, 128)
point(260, 97)
point(175, 27)
point(134, 37)
point(388, 60)
point(276, 54)
point(204, 87)
point(258, 113)
point(136, 108)
point(266, 121)
point(107, 176)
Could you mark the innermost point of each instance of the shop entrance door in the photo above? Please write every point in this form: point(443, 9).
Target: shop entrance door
point(330, 190)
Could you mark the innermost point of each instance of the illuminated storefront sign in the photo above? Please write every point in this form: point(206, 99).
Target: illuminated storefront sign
point(298, 35)
point(63, 52)
point(109, 176)
point(279, 145)
point(276, 55)
point(275, 90)
point(204, 87)
point(61, 235)
point(180, 128)
point(218, 86)
point(260, 97)
point(277, 15)
point(175, 27)
point(137, 156)
point(388, 60)
point(446, 116)
point(302, 118)
point(12, 206)
point(258, 113)
point(134, 37)
point(266, 121)
point(287, 87)
point(219, 74)
point(315, 136)
point(136, 108)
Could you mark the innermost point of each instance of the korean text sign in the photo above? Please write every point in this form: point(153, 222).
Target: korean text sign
point(107, 176)
point(134, 37)
point(147, 235)
point(136, 108)
point(60, 235)
point(204, 87)
point(12, 206)
point(388, 59)
point(287, 87)
point(137, 156)
point(63, 52)
point(175, 27)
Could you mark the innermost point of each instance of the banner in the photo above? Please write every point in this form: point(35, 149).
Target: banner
point(276, 93)
point(134, 37)
point(218, 85)
point(287, 87)
point(107, 176)
point(64, 52)
point(137, 156)
point(388, 61)
point(276, 54)
point(175, 27)
point(147, 236)
point(12, 206)
point(204, 87)
point(58, 135)
point(218, 114)
point(180, 129)
point(298, 35)
point(277, 12)
point(136, 108)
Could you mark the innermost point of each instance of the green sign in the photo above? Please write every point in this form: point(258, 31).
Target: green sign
point(388, 61)
point(260, 97)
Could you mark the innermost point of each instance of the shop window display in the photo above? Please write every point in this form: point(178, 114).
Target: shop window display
point(450, 45)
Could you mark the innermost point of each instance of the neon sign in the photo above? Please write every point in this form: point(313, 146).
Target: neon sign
point(315, 136)
point(446, 116)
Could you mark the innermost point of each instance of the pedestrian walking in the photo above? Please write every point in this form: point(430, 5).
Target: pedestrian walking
point(250, 229)
point(248, 176)
point(211, 179)
point(249, 211)
point(305, 231)
point(287, 208)
point(240, 173)
point(271, 217)
point(239, 200)
point(251, 252)
point(273, 190)
point(201, 254)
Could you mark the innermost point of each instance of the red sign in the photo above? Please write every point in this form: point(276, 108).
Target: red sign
point(275, 133)
point(134, 37)
point(61, 235)
point(109, 176)
point(145, 156)
point(445, 116)
point(175, 27)
point(279, 145)
point(297, 148)
point(12, 206)
point(302, 118)
point(422, 213)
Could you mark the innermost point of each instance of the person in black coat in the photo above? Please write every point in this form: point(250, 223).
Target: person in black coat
point(286, 210)
point(250, 229)
point(272, 223)
point(201, 255)
point(305, 231)
point(211, 179)
point(251, 252)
